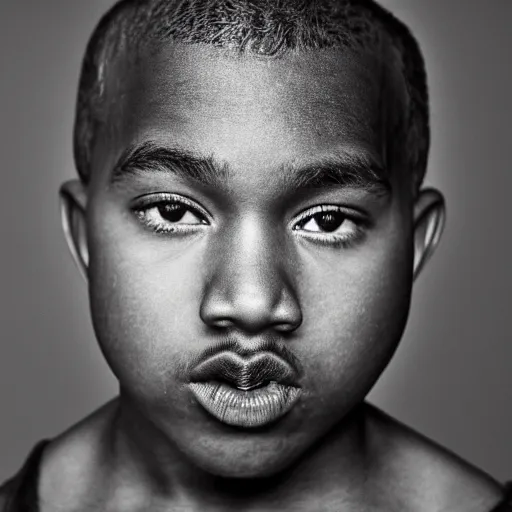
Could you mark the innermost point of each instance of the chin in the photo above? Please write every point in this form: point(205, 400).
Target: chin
point(252, 456)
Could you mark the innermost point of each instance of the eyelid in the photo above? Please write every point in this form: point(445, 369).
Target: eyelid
point(314, 210)
point(151, 200)
point(359, 221)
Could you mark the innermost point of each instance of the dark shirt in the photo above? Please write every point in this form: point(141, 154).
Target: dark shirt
point(21, 491)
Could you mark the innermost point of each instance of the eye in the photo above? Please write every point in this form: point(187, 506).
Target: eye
point(170, 214)
point(330, 225)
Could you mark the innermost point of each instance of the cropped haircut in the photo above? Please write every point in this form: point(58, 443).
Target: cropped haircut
point(261, 27)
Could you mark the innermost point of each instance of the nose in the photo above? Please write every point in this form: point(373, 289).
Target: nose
point(250, 286)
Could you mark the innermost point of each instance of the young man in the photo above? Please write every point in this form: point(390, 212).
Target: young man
point(250, 219)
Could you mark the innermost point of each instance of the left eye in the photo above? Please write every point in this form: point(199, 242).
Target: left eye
point(329, 225)
point(170, 215)
point(326, 222)
point(174, 212)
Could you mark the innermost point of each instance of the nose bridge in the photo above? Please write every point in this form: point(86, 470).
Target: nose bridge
point(254, 255)
point(249, 282)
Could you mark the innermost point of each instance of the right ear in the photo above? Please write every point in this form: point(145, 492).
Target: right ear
point(73, 206)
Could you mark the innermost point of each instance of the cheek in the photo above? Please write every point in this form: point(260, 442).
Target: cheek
point(358, 310)
point(144, 310)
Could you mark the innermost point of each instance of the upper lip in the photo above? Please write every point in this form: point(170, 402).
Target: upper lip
point(247, 369)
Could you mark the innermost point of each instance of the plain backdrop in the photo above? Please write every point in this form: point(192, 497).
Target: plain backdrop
point(452, 376)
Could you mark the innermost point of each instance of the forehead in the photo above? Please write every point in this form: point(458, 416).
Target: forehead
point(246, 110)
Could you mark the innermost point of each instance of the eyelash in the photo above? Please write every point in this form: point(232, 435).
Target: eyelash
point(347, 240)
point(146, 207)
point(151, 204)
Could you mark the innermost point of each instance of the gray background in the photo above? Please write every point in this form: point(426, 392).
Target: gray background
point(451, 378)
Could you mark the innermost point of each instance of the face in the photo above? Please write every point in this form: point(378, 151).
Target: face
point(250, 243)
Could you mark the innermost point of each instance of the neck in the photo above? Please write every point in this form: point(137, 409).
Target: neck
point(150, 464)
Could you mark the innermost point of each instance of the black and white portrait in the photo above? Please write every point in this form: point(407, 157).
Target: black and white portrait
point(255, 255)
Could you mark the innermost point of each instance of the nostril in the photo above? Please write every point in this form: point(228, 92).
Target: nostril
point(286, 327)
point(221, 323)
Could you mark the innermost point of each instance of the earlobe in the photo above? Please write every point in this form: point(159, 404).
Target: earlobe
point(429, 220)
point(73, 205)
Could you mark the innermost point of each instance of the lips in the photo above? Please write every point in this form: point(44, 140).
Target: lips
point(245, 373)
point(245, 391)
point(246, 408)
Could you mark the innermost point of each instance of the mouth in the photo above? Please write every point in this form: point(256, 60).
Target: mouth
point(247, 409)
point(245, 392)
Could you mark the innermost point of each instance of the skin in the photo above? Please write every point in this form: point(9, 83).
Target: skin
point(159, 300)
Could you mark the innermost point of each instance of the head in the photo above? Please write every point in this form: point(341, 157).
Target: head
point(250, 179)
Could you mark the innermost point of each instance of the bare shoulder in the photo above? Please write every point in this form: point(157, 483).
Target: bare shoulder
point(71, 460)
point(422, 475)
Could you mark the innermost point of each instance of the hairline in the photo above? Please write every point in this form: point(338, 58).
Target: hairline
point(114, 44)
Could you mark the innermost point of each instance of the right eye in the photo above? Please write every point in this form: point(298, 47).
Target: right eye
point(330, 225)
point(170, 214)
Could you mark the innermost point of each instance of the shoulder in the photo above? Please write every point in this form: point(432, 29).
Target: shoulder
point(423, 475)
point(70, 462)
point(63, 466)
point(24, 480)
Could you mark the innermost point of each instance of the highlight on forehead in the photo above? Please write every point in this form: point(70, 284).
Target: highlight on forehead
point(261, 27)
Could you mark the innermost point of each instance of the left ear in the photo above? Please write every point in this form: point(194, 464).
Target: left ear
point(73, 205)
point(429, 219)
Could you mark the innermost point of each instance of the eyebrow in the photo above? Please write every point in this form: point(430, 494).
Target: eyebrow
point(149, 157)
point(346, 168)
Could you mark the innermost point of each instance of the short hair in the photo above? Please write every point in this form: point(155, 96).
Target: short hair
point(263, 27)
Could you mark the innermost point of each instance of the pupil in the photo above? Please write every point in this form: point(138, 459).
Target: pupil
point(172, 213)
point(329, 221)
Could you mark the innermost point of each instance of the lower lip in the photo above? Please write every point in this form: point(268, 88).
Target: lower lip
point(247, 409)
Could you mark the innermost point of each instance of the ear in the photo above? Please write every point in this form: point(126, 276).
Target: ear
point(429, 219)
point(73, 205)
